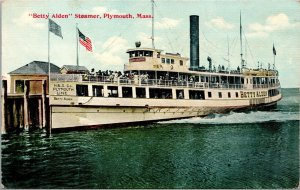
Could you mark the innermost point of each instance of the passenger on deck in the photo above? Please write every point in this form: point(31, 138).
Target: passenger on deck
point(180, 96)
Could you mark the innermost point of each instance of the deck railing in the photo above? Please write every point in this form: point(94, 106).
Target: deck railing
point(149, 82)
point(270, 85)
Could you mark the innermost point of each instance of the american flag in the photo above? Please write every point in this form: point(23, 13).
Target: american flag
point(85, 41)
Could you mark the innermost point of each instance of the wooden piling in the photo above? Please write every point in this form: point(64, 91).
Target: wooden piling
point(14, 114)
point(4, 110)
point(19, 112)
point(22, 120)
point(40, 121)
point(49, 111)
point(44, 104)
point(26, 110)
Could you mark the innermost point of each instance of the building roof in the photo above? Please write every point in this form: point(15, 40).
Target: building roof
point(74, 68)
point(36, 67)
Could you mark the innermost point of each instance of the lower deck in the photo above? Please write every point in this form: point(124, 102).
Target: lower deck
point(99, 111)
point(94, 90)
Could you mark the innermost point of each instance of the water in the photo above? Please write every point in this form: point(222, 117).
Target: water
point(256, 149)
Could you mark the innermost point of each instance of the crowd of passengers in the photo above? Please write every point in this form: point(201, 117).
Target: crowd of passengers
point(114, 76)
point(144, 77)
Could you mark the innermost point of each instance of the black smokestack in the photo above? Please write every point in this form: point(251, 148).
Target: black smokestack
point(194, 42)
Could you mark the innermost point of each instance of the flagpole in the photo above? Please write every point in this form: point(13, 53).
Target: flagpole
point(274, 54)
point(49, 71)
point(48, 53)
point(274, 61)
point(77, 60)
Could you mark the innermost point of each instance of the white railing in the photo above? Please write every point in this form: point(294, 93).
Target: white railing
point(257, 86)
point(66, 78)
point(149, 82)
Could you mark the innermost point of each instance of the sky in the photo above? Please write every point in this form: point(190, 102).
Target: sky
point(25, 39)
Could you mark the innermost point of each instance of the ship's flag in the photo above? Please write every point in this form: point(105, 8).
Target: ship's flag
point(274, 50)
point(55, 28)
point(85, 41)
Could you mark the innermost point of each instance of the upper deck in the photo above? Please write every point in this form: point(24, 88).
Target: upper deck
point(145, 59)
point(153, 60)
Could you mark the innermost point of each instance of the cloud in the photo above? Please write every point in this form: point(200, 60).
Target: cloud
point(26, 20)
point(112, 52)
point(102, 10)
point(146, 41)
point(259, 34)
point(219, 23)
point(166, 23)
point(272, 23)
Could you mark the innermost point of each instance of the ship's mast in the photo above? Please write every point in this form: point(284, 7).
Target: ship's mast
point(228, 54)
point(152, 37)
point(241, 44)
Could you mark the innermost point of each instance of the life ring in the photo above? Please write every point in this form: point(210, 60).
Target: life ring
point(171, 67)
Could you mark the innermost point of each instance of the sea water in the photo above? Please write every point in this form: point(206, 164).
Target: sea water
point(255, 149)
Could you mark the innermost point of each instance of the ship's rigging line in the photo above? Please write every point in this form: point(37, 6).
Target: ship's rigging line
point(177, 39)
point(247, 45)
point(169, 28)
point(212, 45)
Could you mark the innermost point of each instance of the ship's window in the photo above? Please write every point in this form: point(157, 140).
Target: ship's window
point(135, 54)
point(130, 54)
point(163, 60)
point(140, 53)
point(196, 94)
point(236, 94)
point(148, 53)
point(82, 90)
point(172, 61)
point(229, 95)
point(140, 92)
point(158, 54)
point(97, 91)
point(273, 92)
point(160, 93)
point(179, 94)
point(209, 94)
point(112, 91)
point(19, 86)
point(168, 61)
point(202, 79)
point(220, 94)
point(181, 62)
point(127, 92)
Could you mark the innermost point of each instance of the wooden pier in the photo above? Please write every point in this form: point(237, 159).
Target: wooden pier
point(27, 110)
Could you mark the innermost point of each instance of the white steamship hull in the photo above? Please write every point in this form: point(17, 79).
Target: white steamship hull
point(101, 112)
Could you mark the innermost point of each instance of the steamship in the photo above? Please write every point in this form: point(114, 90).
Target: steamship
point(157, 86)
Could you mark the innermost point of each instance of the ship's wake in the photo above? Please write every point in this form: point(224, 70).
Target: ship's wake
point(241, 117)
